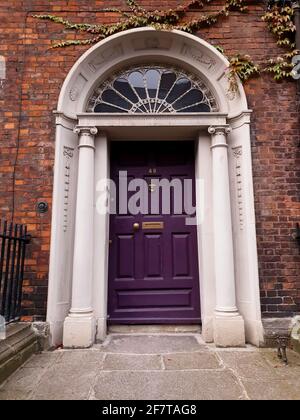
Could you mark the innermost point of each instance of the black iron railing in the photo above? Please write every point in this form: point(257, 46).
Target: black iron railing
point(13, 242)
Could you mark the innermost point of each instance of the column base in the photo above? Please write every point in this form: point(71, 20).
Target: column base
point(208, 329)
point(79, 332)
point(229, 330)
point(101, 329)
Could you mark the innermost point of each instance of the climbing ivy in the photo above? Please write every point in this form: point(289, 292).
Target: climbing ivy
point(279, 18)
point(140, 17)
point(243, 67)
point(280, 21)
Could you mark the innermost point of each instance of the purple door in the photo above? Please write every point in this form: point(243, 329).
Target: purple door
point(153, 262)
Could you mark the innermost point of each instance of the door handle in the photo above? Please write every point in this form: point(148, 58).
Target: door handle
point(136, 227)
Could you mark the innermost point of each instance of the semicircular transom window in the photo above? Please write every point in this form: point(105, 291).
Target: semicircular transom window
point(152, 90)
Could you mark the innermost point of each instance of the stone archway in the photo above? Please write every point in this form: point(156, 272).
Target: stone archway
point(229, 285)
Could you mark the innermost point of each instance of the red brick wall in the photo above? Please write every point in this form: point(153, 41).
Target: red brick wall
point(35, 76)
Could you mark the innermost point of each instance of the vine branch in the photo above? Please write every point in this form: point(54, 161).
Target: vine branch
point(279, 18)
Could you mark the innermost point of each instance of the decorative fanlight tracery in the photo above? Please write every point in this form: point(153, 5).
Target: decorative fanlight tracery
point(152, 90)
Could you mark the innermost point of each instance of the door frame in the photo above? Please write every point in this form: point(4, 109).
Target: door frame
point(120, 128)
point(196, 285)
point(202, 59)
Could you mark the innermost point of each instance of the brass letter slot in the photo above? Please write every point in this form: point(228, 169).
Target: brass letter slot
point(153, 225)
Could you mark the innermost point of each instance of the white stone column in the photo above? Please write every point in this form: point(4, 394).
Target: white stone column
point(80, 326)
point(229, 328)
point(102, 172)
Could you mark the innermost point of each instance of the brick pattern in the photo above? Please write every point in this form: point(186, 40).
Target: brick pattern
point(35, 76)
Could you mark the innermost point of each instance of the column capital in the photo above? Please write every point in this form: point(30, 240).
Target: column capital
point(219, 135)
point(87, 131)
point(86, 137)
point(219, 130)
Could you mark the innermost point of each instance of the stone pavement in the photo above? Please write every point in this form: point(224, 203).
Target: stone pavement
point(156, 367)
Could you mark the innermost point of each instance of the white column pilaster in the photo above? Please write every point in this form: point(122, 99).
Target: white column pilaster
point(79, 326)
point(229, 328)
point(101, 240)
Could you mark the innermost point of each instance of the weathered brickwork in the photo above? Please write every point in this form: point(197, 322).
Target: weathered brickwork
point(34, 78)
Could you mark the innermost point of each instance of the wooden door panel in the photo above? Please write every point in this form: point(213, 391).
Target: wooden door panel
point(126, 257)
point(153, 256)
point(181, 255)
point(153, 273)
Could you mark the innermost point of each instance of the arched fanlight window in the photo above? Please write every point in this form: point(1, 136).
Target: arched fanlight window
point(152, 90)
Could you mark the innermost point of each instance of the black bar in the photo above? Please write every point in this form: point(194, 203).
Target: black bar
point(13, 242)
point(23, 249)
point(18, 275)
point(6, 275)
point(3, 235)
point(10, 307)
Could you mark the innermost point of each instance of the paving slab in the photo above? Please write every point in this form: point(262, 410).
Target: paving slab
point(191, 361)
point(132, 362)
point(62, 385)
point(21, 384)
point(291, 371)
point(71, 378)
point(43, 360)
point(276, 390)
point(151, 344)
point(168, 385)
point(249, 365)
point(84, 359)
point(158, 367)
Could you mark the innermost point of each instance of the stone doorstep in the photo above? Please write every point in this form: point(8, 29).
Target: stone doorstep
point(19, 345)
point(154, 329)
